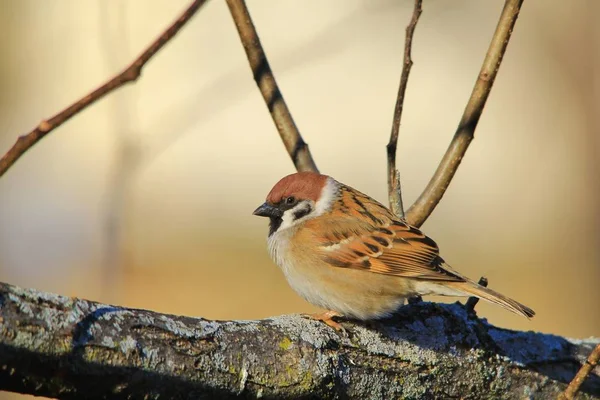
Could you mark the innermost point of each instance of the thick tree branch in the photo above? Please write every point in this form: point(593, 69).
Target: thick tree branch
point(288, 131)
point(428, 200)
point(130, 74)
point(394, 187)
point(69, 348)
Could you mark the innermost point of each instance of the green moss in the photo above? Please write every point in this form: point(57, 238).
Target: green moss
point(289, 370)
point(307, 381)
point(285, 343)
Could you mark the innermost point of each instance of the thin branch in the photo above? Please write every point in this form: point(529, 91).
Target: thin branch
point(394, 187)
point(582, 374)
point(428, 200)
point(288, 131)
point(130, 74)
point(70, 348)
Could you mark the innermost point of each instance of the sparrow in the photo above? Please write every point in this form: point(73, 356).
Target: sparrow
point(345, 252)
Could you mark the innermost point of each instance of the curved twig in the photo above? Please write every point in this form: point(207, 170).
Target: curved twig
point(130, 74)
point(394, 187)
point(265, 80)
point(428, 200)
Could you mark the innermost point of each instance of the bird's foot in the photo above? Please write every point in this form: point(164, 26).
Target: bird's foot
point(326, 317)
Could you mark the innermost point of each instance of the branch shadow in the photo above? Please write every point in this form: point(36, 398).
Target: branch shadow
point(82, 332)
point(30, 375)
point(440, 327)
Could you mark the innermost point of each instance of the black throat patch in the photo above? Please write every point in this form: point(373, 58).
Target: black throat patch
point(274, 224)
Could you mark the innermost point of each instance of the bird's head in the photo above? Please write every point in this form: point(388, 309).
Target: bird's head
point(297, 198)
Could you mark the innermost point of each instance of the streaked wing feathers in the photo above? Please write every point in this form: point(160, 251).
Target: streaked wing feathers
point(380, 244)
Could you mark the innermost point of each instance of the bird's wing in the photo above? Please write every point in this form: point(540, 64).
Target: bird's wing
point(366, 236)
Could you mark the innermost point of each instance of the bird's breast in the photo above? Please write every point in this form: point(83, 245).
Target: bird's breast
point(294, 261)
point(354, 293)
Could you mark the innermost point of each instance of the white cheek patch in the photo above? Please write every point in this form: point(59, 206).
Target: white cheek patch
point(328, 194)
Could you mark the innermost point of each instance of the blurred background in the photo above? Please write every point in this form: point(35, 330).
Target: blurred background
point(145, 199)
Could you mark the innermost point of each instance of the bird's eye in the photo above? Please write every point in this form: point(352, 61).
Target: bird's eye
point(290, 200)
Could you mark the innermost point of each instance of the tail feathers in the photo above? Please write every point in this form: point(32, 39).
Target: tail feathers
point(473, 289)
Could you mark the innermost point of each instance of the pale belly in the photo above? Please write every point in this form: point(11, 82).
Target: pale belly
point(358, 294)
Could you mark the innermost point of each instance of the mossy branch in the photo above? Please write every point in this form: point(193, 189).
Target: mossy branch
point(63, 347)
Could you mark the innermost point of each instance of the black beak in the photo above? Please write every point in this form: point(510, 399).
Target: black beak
point(268, 210)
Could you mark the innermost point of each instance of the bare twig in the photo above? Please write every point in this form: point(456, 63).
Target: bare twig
point(472, 301)
point(582, 374)
point(394, 187)
point(130, 74)
point(428, 200)
point(288, 131)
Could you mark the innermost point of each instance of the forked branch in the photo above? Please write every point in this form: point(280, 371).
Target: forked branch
point(394, 187)
point(288, 131)
point(428, 200)
point(129, 74)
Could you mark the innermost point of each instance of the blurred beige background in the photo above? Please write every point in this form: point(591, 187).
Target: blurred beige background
point(145, 199)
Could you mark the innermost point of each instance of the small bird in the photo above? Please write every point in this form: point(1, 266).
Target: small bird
point(345, 252)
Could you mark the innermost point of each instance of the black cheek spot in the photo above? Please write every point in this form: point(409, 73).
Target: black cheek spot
point(303, 212)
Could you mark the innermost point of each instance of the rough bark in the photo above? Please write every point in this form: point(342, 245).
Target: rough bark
point(70, 348)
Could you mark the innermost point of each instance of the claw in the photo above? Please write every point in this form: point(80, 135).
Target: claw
point(326, 317)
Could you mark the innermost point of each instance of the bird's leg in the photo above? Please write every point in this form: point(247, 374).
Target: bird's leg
point(326, 317)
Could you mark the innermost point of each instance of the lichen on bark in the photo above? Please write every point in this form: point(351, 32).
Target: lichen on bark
point(71, 348)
